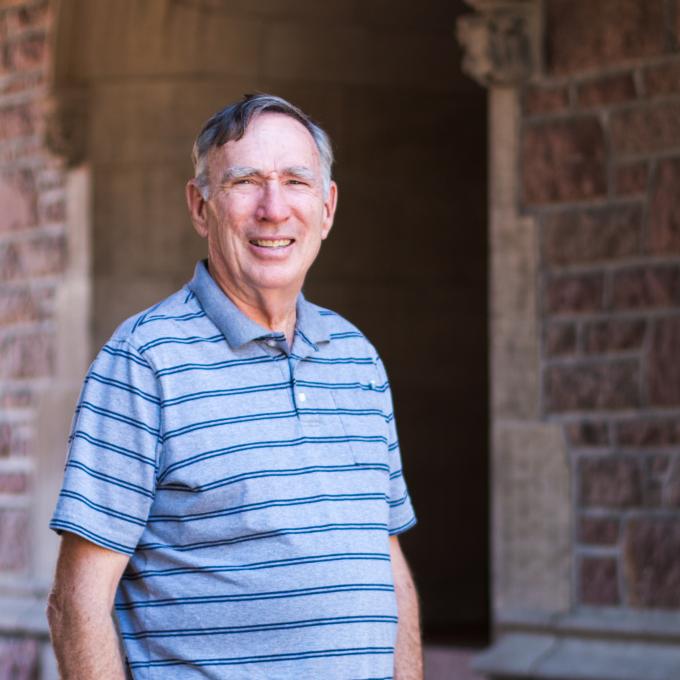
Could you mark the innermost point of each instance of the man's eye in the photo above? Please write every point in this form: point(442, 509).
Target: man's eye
point(244, 180)
point(295, 181)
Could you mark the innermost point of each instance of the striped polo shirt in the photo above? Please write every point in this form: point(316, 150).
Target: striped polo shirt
point(253, 485)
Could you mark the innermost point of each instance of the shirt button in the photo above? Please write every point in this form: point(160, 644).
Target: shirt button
point(372, 384)
point(302, 396)
point(271, 343)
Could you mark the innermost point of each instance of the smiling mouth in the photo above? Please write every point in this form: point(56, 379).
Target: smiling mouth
point(272, 243)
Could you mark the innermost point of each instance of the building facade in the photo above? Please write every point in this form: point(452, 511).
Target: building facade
point(567, 306)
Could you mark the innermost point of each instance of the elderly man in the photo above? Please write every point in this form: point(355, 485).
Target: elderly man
point(233, 488)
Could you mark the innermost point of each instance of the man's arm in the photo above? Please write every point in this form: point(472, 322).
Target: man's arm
point(80, 609)
point(408, 656)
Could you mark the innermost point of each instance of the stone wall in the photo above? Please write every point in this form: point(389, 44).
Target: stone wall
point(32, 259)
point(600, 172)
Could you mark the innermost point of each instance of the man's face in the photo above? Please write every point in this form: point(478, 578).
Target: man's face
point(266, 214)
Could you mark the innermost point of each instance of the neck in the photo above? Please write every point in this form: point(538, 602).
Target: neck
point(274, 309)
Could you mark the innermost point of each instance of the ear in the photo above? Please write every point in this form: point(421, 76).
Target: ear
point(329, 205)
point(197, 208)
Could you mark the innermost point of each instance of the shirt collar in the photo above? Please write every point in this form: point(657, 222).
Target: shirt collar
point(236, 327)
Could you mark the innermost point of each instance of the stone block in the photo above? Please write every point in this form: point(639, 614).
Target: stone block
point(662, 79)
point(28, 16)
point(670, 482)
point(560, 338)
point(13, 482)
point(648, 128)
point(587, 433)
point(574, 293)
point(577, 387)
point(664, 208)
point(602, 531)
point(19, 658)
point(583, 35)
point(632, 178)
point(14, 548)
point(663, 367)
point(598, 581)
point(14, 398)
point(606, 91)
point(18, 198)
point(18, 120)
point(26, 356)
point(652, 568)
point(531, 518)
point(14, 440)
point(610, 482)
point(590, 235)
point(648, 432)
point(21, 304)
point(613, 335)
point(563, 160)
point(27, 53)
point(42, 255)
point(540, 100)
point(645, 287)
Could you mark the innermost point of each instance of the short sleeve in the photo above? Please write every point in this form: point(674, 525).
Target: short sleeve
point(110, 474)
point(402, 516)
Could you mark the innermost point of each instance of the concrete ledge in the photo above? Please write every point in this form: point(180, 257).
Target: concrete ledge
point(586, 644)
point(522, 655)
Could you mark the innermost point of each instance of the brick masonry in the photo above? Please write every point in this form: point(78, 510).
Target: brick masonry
point(600, 172)
point(32, 258)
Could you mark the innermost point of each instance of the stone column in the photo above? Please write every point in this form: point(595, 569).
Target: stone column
point(563, 225)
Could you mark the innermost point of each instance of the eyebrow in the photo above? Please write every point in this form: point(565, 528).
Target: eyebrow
point(241, 172)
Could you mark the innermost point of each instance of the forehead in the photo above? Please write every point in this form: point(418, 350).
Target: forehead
point(272, 141)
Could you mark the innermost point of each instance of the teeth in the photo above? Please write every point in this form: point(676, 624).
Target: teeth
point(272, 244)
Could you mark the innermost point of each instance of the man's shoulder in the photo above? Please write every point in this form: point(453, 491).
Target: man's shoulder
point(340, 327)
point(172, 316)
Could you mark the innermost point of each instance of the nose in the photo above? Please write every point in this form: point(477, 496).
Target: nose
point(273, 206)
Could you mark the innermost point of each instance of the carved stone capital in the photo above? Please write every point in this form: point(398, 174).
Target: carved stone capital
point(500, 41)
point(66, 124)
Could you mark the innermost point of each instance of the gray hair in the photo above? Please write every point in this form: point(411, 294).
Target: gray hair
point(231, 123)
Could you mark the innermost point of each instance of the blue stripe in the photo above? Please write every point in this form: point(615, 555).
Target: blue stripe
point(100, 443)
point(347, 334)
point(344, 386)
point(362, 361)
point(274, 444)
point(254, 628)
point(74, 528)
point(274, 503)
point(65, 493)
point(276, 415)
point(110, 480)
point(288, 531)
point(292, 472)
point(315, 654)
point(189, 340)
point(265, 595)
point(119, 417)
point(207, 394)
point(181, 368)
point(403, 527)
point(399, 501)
point(107, 349)
point(123, 386)
point(172, 317)
point(256, 566)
